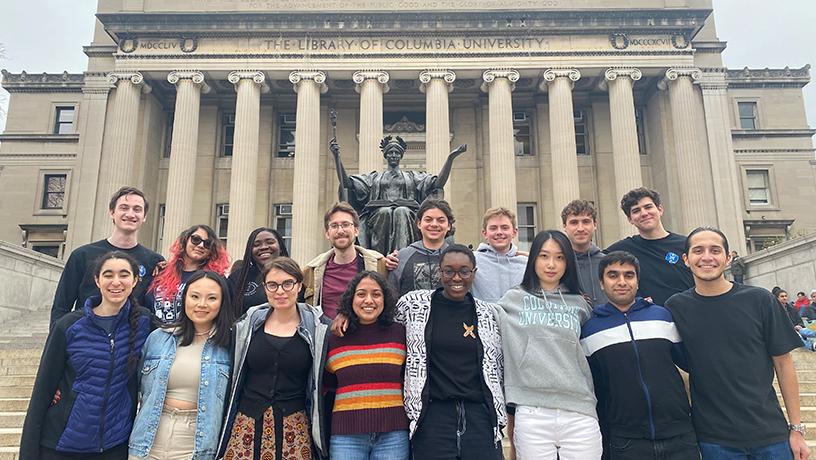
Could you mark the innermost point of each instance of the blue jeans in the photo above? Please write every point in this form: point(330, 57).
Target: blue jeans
point(392, 445)
point(778, 451)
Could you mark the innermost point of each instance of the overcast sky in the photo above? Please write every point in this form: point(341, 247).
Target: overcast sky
point(48, 35)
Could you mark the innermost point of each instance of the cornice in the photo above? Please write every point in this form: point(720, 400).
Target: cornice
point(768, 78)
point(68, 138)
point(24, 82)
point(773, 132)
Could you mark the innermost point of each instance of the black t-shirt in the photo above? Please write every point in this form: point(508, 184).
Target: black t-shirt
point(76, 283)
point(167, 309)
point(730, 340)
point(662, 271)
point(254, 293)
point(454, 371)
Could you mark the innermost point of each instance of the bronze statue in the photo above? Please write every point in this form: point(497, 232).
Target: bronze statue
point(387, 201)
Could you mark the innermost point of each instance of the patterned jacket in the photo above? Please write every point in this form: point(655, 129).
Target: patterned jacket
point(413, 311)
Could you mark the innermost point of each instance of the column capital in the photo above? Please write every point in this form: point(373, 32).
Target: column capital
point(427, 75)
point(490, 75)
point(195, 76)
point(134, 77)
point(361, 76)
point(255, 75)
point(317, 76)
point(674, 73)
point(613, 73)
point(550, 75)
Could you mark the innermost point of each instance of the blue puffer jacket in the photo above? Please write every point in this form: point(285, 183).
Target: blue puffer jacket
point(90, 369)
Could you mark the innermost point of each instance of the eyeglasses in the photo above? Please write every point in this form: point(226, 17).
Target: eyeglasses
point(196, 240)
point(343, 225)
point(287, 285)
point(464, 273)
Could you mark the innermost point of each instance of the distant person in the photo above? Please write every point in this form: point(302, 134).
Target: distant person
point(738, 268)
point(801, 303)
point(246, 288)
point(810, 311)
point(580, 221)
point(128, 210)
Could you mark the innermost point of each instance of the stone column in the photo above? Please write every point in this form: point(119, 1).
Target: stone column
point(692, 172)
point(436, 84)
point(116, 165)
point(499, 85)
point(308, 85)
point(559, 82)
point(244, 172)
point(371, 84)
point(183, 151)
point(625, 151)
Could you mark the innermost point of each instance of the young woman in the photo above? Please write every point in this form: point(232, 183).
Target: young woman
point(185, 375)
point(275, 408)
point(90, 360)
point(263, 245)
point(547, 377)
point(197, 248)
point(366, 367)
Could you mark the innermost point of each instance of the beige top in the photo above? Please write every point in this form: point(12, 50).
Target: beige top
point(182, 384)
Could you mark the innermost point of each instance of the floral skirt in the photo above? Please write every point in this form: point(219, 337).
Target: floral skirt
point(270, 437)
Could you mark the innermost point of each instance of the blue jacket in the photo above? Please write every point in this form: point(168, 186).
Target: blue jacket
point(632, 356)
point(98, 391)
point(158, 355)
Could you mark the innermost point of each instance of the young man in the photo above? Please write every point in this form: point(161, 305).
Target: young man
point(327, 275)
point(657, 250)
point(632, 347)
point(128, 210)
point(500, 266)
point(735, 337)
point(418, 266)
point(737, 268)
point(580, 221)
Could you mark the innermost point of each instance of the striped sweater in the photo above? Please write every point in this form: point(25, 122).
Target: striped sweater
point(367, 368)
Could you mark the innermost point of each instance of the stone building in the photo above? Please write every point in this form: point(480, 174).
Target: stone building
point(218, 109)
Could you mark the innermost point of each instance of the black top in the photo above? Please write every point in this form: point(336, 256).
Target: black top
point(729, 341)
point(76, 283)
point(254, 293)
point(662, 271)
point(277, 371)
point(167, 309)
point(454, 370)
point(793, 314)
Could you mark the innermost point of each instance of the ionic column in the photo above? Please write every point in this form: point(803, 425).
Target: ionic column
point(436, 84)
point(625, 151)
point(499, 85)
point(692, 172)
point(116, 166)
point(308, 85)
point(559, 82)
point(183, 151)
point(371, 84)
point(244, 174)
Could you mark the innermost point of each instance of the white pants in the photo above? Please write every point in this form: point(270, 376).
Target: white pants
point(547, 434)
point(175, 436)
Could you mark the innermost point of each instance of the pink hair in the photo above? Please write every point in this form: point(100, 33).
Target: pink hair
point(169, 280)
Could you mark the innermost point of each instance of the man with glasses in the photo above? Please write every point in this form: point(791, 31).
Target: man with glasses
point(327, 275)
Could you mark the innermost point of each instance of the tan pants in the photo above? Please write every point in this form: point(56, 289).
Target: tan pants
point(175, 436)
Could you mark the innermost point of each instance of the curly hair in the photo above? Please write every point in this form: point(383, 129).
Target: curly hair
point(346, 308)
point(579, 208)
point(633, 196)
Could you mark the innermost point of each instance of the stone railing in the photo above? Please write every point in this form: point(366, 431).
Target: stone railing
point(28, 280)
point(790, 265)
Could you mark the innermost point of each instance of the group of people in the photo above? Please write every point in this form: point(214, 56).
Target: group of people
point(427, 353)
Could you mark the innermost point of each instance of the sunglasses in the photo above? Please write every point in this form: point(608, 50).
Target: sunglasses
point(196, 240)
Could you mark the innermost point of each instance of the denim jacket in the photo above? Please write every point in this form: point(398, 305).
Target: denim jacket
point(158, 355)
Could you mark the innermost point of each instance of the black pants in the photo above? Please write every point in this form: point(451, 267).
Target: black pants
point(681, 447)
point(114, 453)
point(455, 430)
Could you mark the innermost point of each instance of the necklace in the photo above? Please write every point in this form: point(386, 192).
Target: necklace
point(203, 333)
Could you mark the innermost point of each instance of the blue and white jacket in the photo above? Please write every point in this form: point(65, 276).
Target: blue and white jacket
point(158, 355)
point(632, 356)
point(98, 392)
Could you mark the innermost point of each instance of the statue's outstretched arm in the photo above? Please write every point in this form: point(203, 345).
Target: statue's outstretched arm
point(442, 178)
point(338, 163)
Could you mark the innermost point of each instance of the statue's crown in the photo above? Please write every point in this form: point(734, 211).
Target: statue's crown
point(391, 140)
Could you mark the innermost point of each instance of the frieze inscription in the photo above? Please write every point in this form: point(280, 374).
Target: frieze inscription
point(374, 5)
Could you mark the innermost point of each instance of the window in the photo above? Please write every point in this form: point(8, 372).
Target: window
point(222, 220)
point(759, 193)
point(64, 121)
point(581, 137)
point(47, 249)
point(168, 135)
point(227, 134)
point(160, 226)
point(526, 225)
point(641, 130)
point(521, 134)
point(283, 223)
point(747, 115)
point(286, 135)
point(53, 196)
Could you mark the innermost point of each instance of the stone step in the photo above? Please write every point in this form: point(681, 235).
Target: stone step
point(13, 404)
point(16, 392)
point(9, 453)
point(21, 352)
point(10, 437)
point(16, 380)
point(805, 386)
point(25, 361)
point(19, 370)
point(12, 419)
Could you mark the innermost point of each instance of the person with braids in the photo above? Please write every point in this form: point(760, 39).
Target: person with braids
point(90, 362)
point(263, 245)
point(197, 248)
point(185, 375)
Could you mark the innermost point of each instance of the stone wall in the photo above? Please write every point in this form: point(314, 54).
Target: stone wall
point(790, 265)
point(28, 280)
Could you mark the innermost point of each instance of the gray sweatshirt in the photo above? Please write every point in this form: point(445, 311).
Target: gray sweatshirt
point(544, 364)
point(496, 273)
point(587, 265)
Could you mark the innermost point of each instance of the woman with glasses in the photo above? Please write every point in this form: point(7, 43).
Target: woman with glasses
point(263, 245)
point(197, 248)
point(275, 408)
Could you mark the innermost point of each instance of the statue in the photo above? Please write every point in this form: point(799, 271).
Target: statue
point(387, 201)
